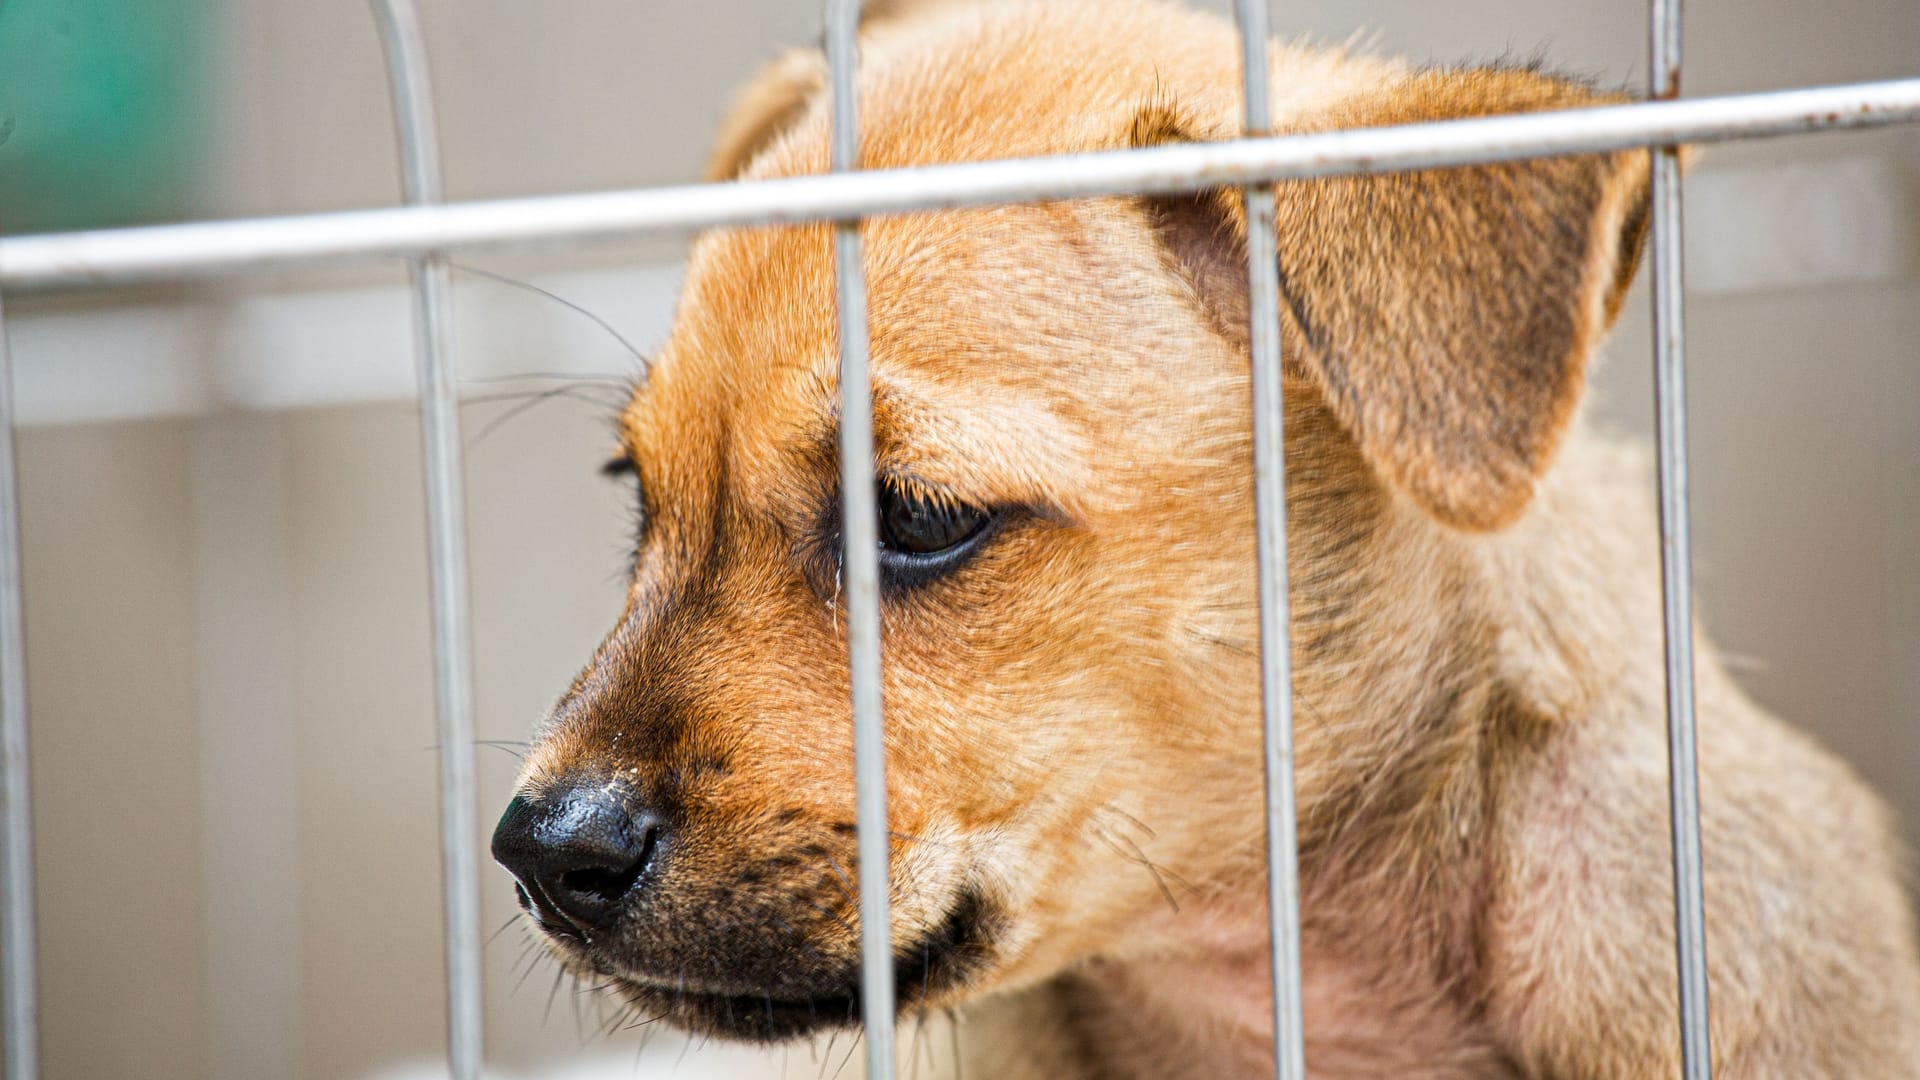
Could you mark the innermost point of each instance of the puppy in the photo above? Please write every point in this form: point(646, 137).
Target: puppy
point(1073, 748)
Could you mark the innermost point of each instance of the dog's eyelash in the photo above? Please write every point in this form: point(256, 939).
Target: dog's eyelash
point(622, 467)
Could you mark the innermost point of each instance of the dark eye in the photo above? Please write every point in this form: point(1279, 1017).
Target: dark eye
point(914, 522)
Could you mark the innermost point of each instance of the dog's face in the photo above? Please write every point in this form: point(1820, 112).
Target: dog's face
point(1061, 424)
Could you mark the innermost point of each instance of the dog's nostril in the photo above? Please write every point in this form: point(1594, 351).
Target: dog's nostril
point(603, 882)
point(607, 884)
point(577, 855)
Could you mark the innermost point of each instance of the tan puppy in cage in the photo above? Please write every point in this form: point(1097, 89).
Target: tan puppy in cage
point(1071, 679)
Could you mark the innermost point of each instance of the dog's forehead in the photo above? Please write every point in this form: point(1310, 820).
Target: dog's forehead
point(1030, 80)
point(967, 329)
point(1053, 310)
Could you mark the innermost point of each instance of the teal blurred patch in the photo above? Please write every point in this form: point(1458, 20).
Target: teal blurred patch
point(104, 110)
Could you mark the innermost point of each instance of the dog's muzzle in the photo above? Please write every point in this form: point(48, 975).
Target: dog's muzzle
point(757, 942)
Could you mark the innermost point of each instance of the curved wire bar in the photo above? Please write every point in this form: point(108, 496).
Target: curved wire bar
point(412, 88)
point(19, 946)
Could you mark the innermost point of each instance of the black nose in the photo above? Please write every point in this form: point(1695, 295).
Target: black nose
point(577, 853)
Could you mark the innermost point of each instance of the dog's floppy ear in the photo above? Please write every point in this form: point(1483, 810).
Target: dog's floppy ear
point(1446, 315)
point(765, 109)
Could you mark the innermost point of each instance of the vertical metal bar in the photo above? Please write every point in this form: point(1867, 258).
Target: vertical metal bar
point(861, 564)
point(1270, 526)
point(1676, 559)
point(412, 89)
point(18, 946)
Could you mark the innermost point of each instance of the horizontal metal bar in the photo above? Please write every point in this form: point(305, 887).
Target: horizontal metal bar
point(119, 256)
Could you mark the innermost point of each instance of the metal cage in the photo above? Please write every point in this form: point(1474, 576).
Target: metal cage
point(425, 230)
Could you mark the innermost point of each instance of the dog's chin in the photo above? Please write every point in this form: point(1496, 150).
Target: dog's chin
point(929, 972)
point(745, 1017)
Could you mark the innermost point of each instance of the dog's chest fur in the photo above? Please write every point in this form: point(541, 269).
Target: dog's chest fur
point(1139, 1023)
point(1364, 1017)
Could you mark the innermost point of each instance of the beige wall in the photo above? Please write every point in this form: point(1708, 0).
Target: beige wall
point(111, 665)
point(1805, 422)
point(227, 612)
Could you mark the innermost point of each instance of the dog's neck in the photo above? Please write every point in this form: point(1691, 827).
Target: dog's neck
point(1395, 787)
point(1200, 1006)
point(1206, 1011)
point(1388, 838)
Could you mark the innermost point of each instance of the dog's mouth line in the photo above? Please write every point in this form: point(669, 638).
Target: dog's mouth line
point(937, 960)
point(827, 1007)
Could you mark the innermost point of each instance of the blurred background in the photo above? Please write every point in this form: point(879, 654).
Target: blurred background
point(224, 542)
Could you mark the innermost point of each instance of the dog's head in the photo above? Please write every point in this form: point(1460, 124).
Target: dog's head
point(1063, 468)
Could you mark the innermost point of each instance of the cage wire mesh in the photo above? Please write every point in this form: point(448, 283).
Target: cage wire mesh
point(425, 230)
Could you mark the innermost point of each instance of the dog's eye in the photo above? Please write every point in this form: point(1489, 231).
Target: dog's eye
point(914, 523)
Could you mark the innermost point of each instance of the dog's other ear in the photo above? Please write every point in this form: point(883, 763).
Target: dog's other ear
point(1447, 314)
point(783, 90)
point(765, 109)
